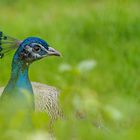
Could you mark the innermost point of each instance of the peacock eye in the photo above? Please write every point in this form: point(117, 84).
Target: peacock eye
point(36, 48)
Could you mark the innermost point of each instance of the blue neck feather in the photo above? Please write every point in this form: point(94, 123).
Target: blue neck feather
point(19, 81)
point(19, 76)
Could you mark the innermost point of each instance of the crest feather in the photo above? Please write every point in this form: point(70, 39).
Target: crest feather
point(7, 44)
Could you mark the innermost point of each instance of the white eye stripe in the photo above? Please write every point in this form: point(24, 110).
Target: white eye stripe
point(35, 54)
point(42, 47)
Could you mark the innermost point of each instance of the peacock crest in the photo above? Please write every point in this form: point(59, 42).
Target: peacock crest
point(7, 44)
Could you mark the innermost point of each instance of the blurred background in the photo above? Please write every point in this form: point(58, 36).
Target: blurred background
point(98, 73)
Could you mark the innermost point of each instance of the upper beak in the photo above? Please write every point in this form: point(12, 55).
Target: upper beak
point(52, 51)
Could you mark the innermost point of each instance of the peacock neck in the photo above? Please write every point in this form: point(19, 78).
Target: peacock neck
point(19, 85)
point(19, 75)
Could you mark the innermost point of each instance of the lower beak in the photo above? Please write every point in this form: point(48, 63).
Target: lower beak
point(51, 51)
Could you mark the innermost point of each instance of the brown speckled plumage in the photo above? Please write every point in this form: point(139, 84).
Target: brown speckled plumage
point(46, 99)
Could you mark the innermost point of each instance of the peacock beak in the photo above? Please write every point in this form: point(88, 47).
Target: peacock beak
point(51, 51)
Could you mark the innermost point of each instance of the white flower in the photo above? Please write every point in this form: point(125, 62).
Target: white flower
point(65, 67)
point(86, 65)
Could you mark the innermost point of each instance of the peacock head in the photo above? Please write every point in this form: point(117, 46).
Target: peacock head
point(33, 48)
point(28, 50)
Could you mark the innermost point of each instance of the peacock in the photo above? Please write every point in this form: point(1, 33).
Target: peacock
point(43, 98)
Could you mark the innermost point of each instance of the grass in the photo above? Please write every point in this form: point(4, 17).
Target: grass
point(106, 32)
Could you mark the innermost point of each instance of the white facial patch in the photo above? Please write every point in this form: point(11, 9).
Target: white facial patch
point(34, 54)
